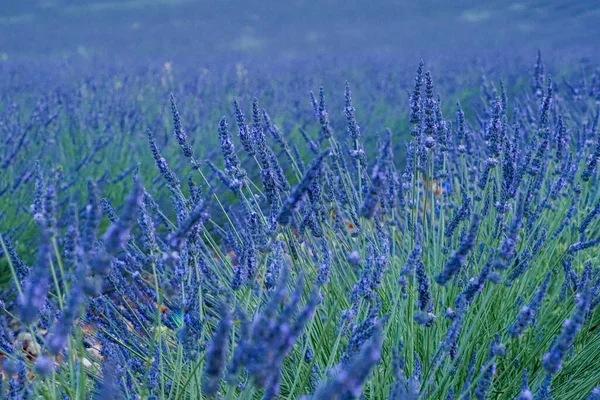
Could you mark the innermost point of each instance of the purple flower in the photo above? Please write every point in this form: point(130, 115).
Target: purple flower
point(44, 365)
point(216, 353)
point(485, 381)
point(161, 163)
point(272, 333)
point(92, 217)
point(594, 395)
point(20, 268)
point(38, 203)
point(456, 261)
point(552, 360)
point(58, 336)
point(117, 233)
point(348, 379)
point(415, 98)
point(243, 131)
point(507, 247)
point(292, 203)
point(379, 177)
point(108, 386)
point(179, 132)
point(35, 288)
point(424, 294)
point(525, 394)
point(595, 211)
point(190, 225)
point(537, 78)
point(326, 130)
point(232, 162)
point(361, 333)
point(543, 392)
point(349, 111)
point(527, 312)
point(461, 214)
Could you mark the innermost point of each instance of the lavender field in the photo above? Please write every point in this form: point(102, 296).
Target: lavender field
point(299, 200)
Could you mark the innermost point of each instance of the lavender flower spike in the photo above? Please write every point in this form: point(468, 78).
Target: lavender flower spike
point(179, 132)
point(552, 360)
point(232, 162)
point(117, 233)
point(293, 201)
point(35, 289)
point(457, 259)
point(216, 353)
point(525, 395)
point(527, 312)
point(484, 383)
point(349, 379)
point(595, 394)
point(161, 163)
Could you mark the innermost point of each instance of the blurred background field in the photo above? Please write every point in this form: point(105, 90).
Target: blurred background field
point(67, 68)
point(195, 32)
point(84, 84)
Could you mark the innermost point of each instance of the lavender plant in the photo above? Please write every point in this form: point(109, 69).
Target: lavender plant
point(263, 273)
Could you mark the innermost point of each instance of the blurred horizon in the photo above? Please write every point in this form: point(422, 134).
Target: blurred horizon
point(271, 32)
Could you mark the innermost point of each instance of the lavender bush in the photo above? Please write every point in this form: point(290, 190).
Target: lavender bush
point(452, 257)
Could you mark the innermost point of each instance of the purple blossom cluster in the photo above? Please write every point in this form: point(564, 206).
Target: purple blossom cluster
point(295, 259)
